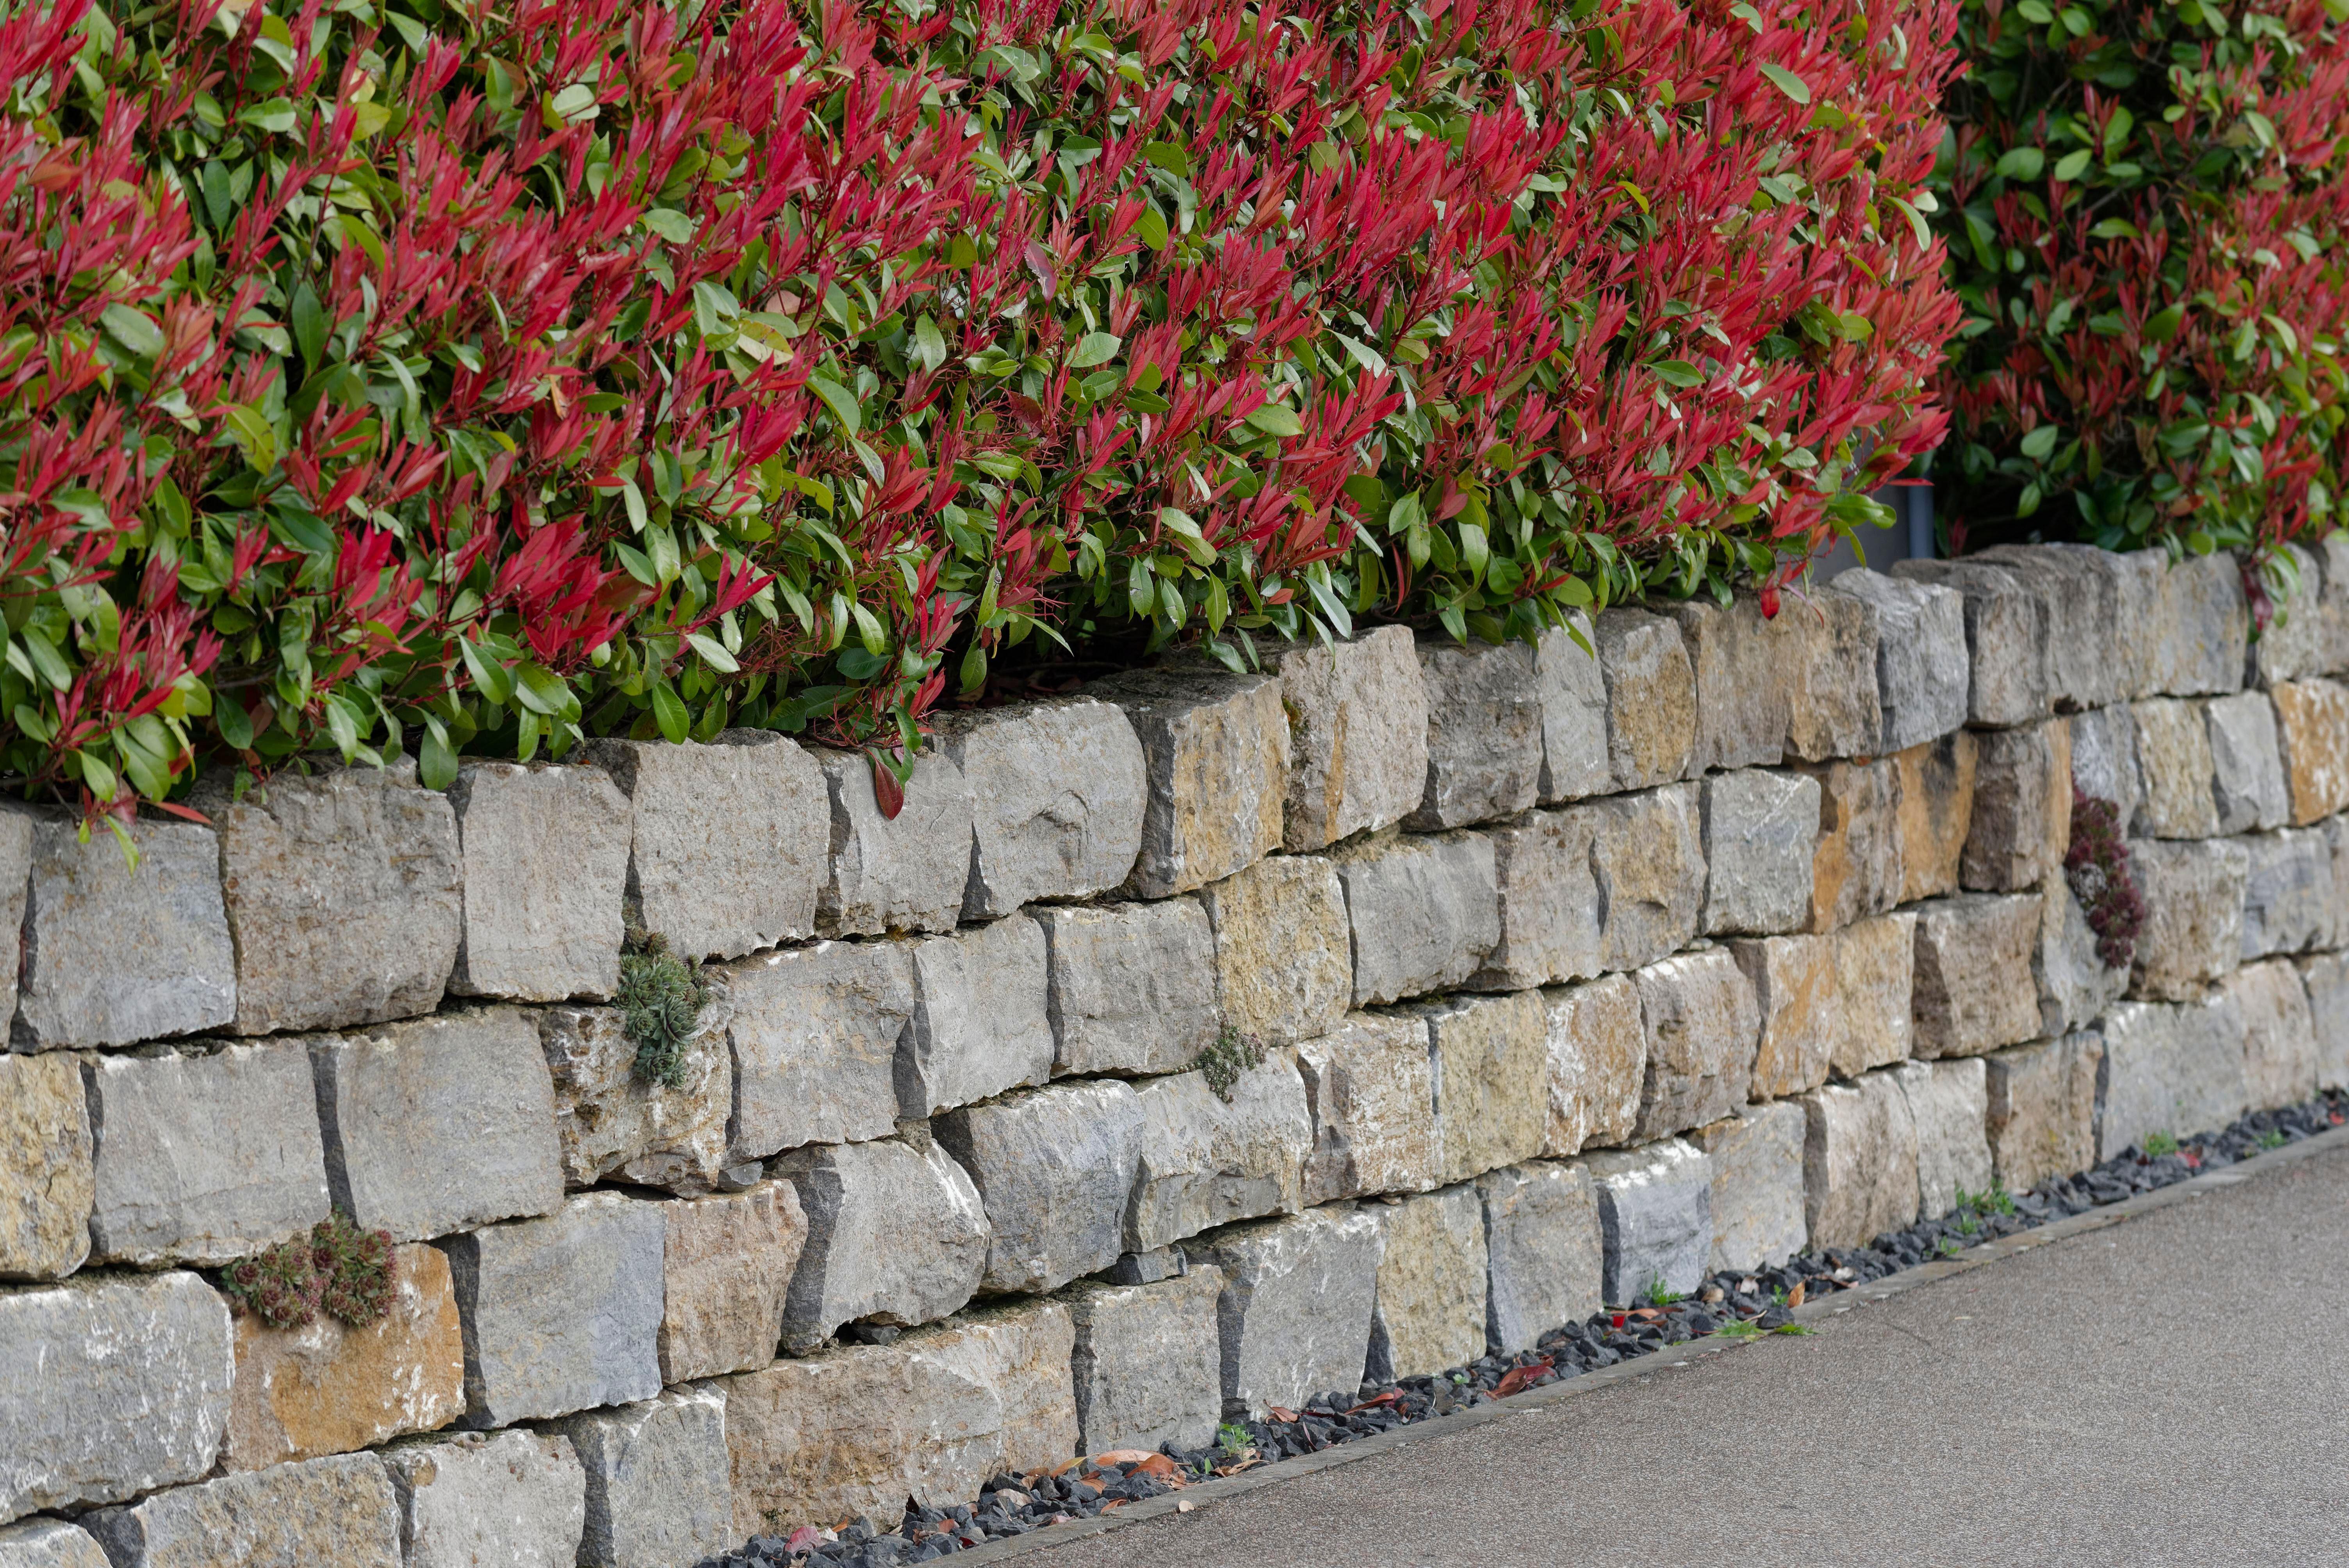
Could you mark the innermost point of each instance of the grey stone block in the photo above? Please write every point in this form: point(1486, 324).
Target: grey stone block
point(2327, 979)
point(726, 843)
point(2247, 763)
point(2006, 639)
point(1703, 1026)
point(1148, 1369)
point(1369, 1086)
point(1206, 1161)
point(1761, 830)
point(1974, 991)
point(1923, 672)
point(1833, 708)
point(1876, 973)
point(120, 1384)
point(2043, 1108)
point(612, 1120)
point(545, 879)
point(1132, 987)
point(440, 1123)
point(2075, 986)
point(2104, 760)
point(2202, 629)
point(897, 1235)
point(1937, 782)
point(1757, 1156)
point(906, 872)
point(1741, 666)
point(1489, 1069)
point(561, 1313)
point(1655, 1218)
point(657, 1489)
point(1649, 864)
point(1598, 1053)
point(2193, 929)
point(726, 1266)
point(1054, 1168)
point(1950, 1104)
point(48, 1178)
point(1860, 1161)
point(338, 1511)
point(1857, 864)
point(814, 1031)
point(2170, 1069)
point(2280, 1054)
point(1294, 1317)
point(1799, 1007)
point(2138, 578)
point(49, 1544)
point(1058, 791)
point(204, 1157)
point(1284, 958)
point(1215, 747)
point(2178, 777)
point(1573, 696)
point(2290, 893)
point(1544, 1249)
point(1423, 912)
point(505, 1497)
point(1547, 897)
point(2291, 645)
point(1357, 736)
point(981, 1023)
point(2021, 823)
point(2332, 550)
point(1430, 1311)
point(1650, 698)
point(2079, 604)
point(1484, 733)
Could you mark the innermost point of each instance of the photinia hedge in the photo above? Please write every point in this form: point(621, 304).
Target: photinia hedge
point(2145, 200)
point(423, 377)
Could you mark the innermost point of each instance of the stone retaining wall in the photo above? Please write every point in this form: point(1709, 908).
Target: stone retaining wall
point(1571, 976)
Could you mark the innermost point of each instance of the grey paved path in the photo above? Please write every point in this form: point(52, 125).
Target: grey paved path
point(2173, 1389)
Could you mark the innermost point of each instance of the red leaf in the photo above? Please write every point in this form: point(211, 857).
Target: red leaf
point(1518, 1379)
point(887, 793)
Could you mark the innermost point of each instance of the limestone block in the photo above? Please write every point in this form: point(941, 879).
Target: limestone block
point(1357, 736)
point(2177, 772)
point(1950, 1104)
point(1876, 972)
point(2104, 760)
point(1833, 708)
point(1216, 749)
point(1148, 1369)
point(2201, 629)
point(2279, 1055)
point(1294, 1317)
point(2327, 979)
point(1054, 1168)
point(726, 1264)
point(1424, 910)
point(2006, 639)
point(1548, 894)
point(1597, 1054)
point(1973, 989)
point(505, 1497)
point(906, 872)
point(1655, 1218)
point(2313, 728)
point(1131, 986)
point(1206, 1161)
point(1923, 673)
point(46, 1178)
point(338, 1511)
point(726, 843)
point(2075, 985)
point(330, 1388)
point(1573, 695)
point(896, 1234)
point(1058, 791)
point(1799, 1008)
point(132, 1390)
point(2194, 914)
point(2021, 823)
point(1856, 865)
point(981, 1018)
point(658, 1493)
point(545, 864)
point(1757, 1156)
point(2043, 1108)
point(1937, 812)
point(1369, 1086)
point(2170, 1069)
point(2291, 645)
point(1488, 1060)
point(2289, 894)
point(1284, 960)
point(814, 1031)
point(1484, 733)
point(1760, 832)
point(1703, 1026)
point(1742, 661)
point(1545, 1255)
point(2247, 763)
point(2334, 611)
point(1649, 862)
point(1650, 698)
point(1860, 1161)
point(2079, 603)
point(49, 1544)
point(110, 956)
point(612, 1121)
point(1429, 1313)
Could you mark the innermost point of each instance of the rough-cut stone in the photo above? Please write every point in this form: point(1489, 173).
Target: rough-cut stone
point(507, 1498)
point(2333, 607)
point(1702, 1025)
point(1922, 670)
point(1876, 970)
point(1598, 1053)
point(1133, 986)
point(2247, 763)
point(1856, 866)
point(112, 955)
point(1973, 988)
point(545, 874)
point(814, 1031)
point(1484, 733)
point(2313, 726)
point(1294, 1317)
point(861, 1429)
point(658, 1489)
point(1206, 1161)
point(338, 1511)
point(2104, 760)
point(2327, 979)
point(2289, 893)
point(1794, 981)
point(2078, 594)
point(1757, 1185)
point(1650, 862)
point(47, 1177)
point(2174, 764)
point(1284, 963)
point(896, 1234)
point(2193, 929)
point(2022, 819)
point(1760, 830)
point(726, 1264)
point(614, 1121)
point(1368, 1084)
point(1488, 1060)
point(2292, 643)
point(2006, 639)
point(1741, 661)
point(1549, 903)
point(1573, 696)
point(1545, 1256)
point(1650, 698)
point(981, 1020)
point(1429, 1315)
point(1655, 1218)
point(1058, 791)
point(906, 872)
point(1860, 1161)
point(49, 1544)
point(2177, 1071)
point(1424, 910)
point(2202, 629)
point(1053, 1166)
point(2279, 1035)
point(2075, 986)
point(1357, 736)
point(1147, 1367)
point(1937, 812)
point(1215, 747)
point(726, 843)
point(1833, 709)
point(2043, 1108)
point(117, 1384)
point(330, 1388)
point(1950, 1104)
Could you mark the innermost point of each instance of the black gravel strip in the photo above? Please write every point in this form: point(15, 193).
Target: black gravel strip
point(1755, 1303)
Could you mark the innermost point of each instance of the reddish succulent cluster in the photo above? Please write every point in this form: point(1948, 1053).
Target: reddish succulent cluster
point(2096, 865)
point(341, 1270)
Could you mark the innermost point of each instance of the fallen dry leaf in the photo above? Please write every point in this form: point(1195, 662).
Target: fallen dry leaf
point(1518, 1379)
point(1795, 1296)
point(1279, 1413)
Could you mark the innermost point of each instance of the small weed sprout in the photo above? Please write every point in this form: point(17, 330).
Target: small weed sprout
point(1994, 1202)
point(2158, 1144)
point(1948, 1246)
point(2272, 1139)
point(341, 1270)
point(1656, 1294)
point(1233, 1439)
point(1740, 1328)
point(1222, 1064)
point(660, 1001)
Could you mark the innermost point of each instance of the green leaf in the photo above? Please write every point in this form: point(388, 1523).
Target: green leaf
point(836, 398)
point(2163, 323)
point(668, 711)
point(235, 726)
point(929, 345)
point(2113, 229)
point(1094, 348)
point(670, 224)
point(711, 649)
point(2072, 165)
point(1917, 224)
point(1362, 354)
point(1278, 419)
point(97, 774)
point(46, 658)
point(1151, 228)
point(2039, 441)
point(488, 675)
point(309, 323)
point(1678, 372)
point(276, 115)
point(1142, 586)
point(133, 328)
point(2022, 163)
point(1787, 82)
point(252, 436)
point(1170, 156)
point(436, 763)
